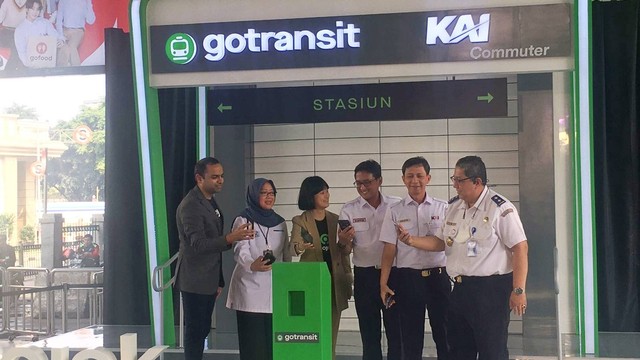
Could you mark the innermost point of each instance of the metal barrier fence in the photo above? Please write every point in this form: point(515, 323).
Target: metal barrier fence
point(78, 295)
point(33, 309)
point(23, 309)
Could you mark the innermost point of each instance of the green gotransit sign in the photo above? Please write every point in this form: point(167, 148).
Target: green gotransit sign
point(301, 311)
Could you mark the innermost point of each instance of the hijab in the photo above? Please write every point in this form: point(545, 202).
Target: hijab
point(253, 211)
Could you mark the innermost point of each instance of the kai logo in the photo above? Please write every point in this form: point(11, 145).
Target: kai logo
point(180, 48)
point(465, 27)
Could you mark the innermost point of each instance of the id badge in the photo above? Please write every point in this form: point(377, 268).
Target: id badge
point(472, 248)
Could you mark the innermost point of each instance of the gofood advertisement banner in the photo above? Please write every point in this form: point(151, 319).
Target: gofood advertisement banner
point(55, 37)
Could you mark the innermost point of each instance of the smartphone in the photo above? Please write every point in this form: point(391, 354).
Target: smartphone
point(306, 237)
point(268, 255)
point(389, 301)
point(344, 224)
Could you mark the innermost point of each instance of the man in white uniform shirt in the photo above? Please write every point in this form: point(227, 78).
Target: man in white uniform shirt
point(419, 277)
point(365, 214)
point(486, 251)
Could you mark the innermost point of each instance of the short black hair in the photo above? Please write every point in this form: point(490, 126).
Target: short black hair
point(29, 4)
point(473, 168)
point(416, 160)
point(308, 189)
point(87, 236)
point(371, 166)
point(201, 165)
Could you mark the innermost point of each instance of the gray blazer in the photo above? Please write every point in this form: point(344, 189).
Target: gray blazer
point(202, 241)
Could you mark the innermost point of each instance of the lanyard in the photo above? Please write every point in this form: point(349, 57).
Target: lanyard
point(265, 235)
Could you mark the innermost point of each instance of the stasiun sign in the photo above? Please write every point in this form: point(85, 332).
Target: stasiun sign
point(536, 31)
point(128, 351)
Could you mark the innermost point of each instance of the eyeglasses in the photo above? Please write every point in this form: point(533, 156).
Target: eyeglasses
point(456, 180)
point(364, 183)
point(267, 193)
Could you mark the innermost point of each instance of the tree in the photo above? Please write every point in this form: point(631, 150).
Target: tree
point(78, 175)
point(23, 111)
point(27, 234)
point(6, 223)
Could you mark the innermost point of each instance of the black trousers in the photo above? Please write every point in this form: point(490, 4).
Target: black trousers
point(416, 290)
point(255, 335)
point(197, 322)
point(366, 293)
point(478, 318)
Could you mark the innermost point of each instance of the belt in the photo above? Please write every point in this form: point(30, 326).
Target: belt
point(463, 278)
point(426, 272)
point(435, 270)
point(377, 267)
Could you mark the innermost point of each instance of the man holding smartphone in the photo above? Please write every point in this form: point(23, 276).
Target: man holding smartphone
point(419, 277)
point(202, 240)
point(487, 253)
point(360, 222)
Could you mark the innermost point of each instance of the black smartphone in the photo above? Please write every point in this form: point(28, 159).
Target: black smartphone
point(389, 301)
point(344, 224)
point(306, 237)
point(268, 255)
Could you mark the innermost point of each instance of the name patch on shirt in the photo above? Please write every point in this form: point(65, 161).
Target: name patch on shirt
point(403, 220)
point(506, 212)
point(451, 223)
point(359, 220)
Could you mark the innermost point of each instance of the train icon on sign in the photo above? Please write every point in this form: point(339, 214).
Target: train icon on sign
point(180, 48)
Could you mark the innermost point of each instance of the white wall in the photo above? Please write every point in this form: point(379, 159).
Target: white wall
point(287, 153)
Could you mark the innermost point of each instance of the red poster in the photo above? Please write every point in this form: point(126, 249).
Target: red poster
point(52, 37)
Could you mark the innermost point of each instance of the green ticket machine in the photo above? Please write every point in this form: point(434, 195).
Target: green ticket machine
point(301, 311)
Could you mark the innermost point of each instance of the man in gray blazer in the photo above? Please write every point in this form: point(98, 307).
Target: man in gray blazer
point(202, 241)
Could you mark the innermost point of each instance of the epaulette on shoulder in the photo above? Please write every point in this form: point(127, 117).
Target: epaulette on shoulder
point(454, 199)
point(498, 200)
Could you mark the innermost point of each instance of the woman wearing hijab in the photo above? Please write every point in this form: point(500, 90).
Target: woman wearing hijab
point(250, 288)
point(315, 238)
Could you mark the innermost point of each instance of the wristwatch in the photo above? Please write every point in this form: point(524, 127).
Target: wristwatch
point(518, 291)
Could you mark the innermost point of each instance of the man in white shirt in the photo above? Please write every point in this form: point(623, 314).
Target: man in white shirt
point(71, 17)
point(33, 25)
point(365, 214)
point(419, 278)
point(487, 256)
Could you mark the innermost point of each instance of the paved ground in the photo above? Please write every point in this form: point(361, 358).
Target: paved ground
point(349, 347)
